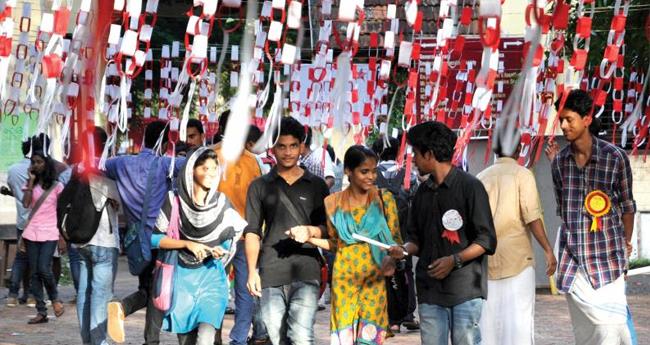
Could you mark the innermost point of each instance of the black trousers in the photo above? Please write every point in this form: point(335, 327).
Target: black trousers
point(395, 308)
point(141, 299)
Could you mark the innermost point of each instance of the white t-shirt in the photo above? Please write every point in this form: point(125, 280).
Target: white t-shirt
point(107, 235)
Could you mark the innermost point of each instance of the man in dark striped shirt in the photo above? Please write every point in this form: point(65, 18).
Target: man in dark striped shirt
point(593, 188)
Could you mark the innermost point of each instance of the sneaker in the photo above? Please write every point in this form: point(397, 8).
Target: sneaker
point(411, 325)
point(261, 341)
point(115, 321)
point(31, 302)
point(48, 303)
point(12, 301)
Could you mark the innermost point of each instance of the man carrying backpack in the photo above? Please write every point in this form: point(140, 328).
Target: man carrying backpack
point(400, 287)
point(87, 217)
point(142, 184)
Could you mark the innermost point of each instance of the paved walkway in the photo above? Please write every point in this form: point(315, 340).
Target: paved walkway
point(553, 326)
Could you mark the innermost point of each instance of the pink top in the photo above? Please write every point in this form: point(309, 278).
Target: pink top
point(42, 226)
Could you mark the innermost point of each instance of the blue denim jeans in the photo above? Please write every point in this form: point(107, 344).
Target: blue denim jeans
point(289, 312)
point(40, 256)
point(19, 272)
point(462, 320)
point(98, 266)
point(259, 329)
point(75, 262)
point(244, 301)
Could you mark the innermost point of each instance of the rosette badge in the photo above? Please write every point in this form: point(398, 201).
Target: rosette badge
point(597, 204)
point(452, 222)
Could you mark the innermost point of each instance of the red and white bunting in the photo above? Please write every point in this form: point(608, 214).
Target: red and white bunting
point(11, 100)
point(489, 27)
point(128, 44)
point(6, 37)
point(612, 57)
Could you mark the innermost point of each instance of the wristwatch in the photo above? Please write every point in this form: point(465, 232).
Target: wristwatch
point(458, 263)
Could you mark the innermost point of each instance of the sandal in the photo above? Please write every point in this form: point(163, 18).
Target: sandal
point(115, 321)
point(58, 308)
point(38, 319)
point(395, 329)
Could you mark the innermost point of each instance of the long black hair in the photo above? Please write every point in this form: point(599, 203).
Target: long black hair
point(356, 155)
point(47, 177)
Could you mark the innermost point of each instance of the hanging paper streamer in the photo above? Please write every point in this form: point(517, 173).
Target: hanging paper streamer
point(342, 100)
point(239, 121)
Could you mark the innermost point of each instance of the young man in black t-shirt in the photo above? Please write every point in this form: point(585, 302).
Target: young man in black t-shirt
point(450, 228)
point(288, 203)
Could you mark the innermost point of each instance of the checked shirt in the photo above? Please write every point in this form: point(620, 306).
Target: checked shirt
point(600, 254)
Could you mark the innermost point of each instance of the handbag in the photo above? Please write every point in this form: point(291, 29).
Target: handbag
point(397, 285)
point(137, 241)
point(163, 273)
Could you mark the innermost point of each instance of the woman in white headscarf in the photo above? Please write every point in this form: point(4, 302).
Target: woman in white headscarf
point(208, 230)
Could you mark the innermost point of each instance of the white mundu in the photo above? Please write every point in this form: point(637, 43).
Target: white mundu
point(504, 322)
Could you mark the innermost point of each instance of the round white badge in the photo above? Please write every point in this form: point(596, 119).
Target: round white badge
point(452, 220)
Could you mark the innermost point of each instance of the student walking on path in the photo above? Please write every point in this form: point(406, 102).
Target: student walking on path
point(41, 235)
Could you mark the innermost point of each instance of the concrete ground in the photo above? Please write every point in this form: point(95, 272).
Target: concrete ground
point(552, 322)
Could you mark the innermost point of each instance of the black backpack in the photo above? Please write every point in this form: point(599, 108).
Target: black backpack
point(76, 215)
point(401, 196)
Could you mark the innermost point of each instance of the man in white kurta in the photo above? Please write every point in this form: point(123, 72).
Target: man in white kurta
point(507, 317)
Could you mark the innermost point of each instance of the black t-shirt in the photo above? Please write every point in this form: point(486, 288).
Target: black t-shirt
point(283, 260)
point(464, 193)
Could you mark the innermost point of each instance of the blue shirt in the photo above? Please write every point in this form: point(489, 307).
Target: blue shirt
point(131, 173)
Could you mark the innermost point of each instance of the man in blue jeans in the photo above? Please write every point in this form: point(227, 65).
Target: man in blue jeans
point(288, 202)
point(450, 228)
point(16, 179)
point(98, 264)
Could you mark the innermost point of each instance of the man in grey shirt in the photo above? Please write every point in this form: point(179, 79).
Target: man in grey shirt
point(16, 178)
